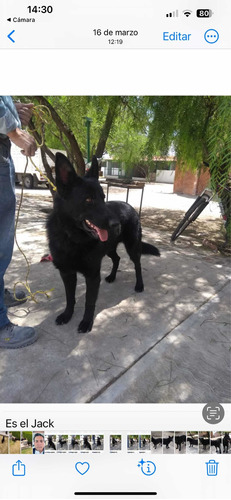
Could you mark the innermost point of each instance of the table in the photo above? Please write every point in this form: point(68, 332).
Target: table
point(127, 186)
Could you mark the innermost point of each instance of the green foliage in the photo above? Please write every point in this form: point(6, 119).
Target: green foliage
point(181, 122)
point(16, 434)
point(219, 143)
point(72, 110)
point(126, 144)
point(27, 435)
point(199, 129)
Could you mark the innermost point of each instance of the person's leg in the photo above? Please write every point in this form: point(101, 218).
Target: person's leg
point(11, 336)
point(7, 215)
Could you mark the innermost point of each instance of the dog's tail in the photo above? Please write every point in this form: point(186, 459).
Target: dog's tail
point(149, 249)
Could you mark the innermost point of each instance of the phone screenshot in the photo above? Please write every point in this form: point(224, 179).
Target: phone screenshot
point(115, 244)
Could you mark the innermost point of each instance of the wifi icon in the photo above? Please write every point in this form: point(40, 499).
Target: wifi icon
point(187, 13)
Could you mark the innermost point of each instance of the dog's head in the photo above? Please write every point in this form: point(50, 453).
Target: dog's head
point(82, 198)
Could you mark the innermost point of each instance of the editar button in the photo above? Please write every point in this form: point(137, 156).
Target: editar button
point(176, 36)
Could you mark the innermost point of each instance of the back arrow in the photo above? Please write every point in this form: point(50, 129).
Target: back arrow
point(9, 36)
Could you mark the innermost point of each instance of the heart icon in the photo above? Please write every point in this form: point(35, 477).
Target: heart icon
point(82, 467)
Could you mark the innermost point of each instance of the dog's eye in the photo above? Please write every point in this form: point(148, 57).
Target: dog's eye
point(88, 200)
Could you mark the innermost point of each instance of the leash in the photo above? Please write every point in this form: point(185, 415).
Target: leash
point(40, 114)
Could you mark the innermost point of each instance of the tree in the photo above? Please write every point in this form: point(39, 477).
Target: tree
point(135, 128)
point(117, 122)
point(199, 128)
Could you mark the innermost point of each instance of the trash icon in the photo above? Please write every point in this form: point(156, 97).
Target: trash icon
point(212, 468)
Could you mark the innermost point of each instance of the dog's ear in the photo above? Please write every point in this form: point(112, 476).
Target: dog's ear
point(66, 175)
point(94, 169)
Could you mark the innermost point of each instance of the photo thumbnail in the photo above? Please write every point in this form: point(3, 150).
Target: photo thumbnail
point(50, 443)
point(4, 442)
point(156, 442)
point(26, 443)
point(192, 444)
point(115, 442)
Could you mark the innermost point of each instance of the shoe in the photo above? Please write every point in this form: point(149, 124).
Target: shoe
point(14, 336)
point(9, 299)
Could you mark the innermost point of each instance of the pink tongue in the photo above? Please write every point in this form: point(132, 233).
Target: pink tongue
point(102, 233)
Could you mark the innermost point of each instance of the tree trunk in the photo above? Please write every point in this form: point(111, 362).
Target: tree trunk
point(48, 171)
point(75, 149)
point(225, 197)
point(111, 114)
point(44, 150)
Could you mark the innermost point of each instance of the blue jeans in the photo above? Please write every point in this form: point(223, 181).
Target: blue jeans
point(7, 216)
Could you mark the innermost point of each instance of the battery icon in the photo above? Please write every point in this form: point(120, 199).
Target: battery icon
point(204, 13)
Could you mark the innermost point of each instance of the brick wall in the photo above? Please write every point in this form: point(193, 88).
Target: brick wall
point(203, 180)
point(191, 183)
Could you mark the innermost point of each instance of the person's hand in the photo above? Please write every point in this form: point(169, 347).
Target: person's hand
point(24, 111)
point(24, 141)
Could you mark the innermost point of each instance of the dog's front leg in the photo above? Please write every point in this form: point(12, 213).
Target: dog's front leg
point(69, 280)
point(92, 289)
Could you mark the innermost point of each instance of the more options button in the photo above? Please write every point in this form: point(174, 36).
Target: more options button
point(211, 36)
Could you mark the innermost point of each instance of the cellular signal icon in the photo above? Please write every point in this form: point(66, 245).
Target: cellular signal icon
point(187, 13)
point(175, 13)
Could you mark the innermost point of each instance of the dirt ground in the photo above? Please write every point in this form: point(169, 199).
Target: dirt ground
point(207, 233)
point(14, 447)
point(147, 334)
point(4, 447)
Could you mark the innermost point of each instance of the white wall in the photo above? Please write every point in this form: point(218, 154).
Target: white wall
point(165, 176)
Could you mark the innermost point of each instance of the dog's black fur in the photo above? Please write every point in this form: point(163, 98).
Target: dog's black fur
point(82, 228)
point(192, 441)
point(226, 442)
point(167, 441)
point(156, 441)
point(86, 443)
point(51, 443)
point(179, 440)
point(217, 443)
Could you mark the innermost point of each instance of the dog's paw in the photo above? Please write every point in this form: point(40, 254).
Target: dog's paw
point(62, 319)
point(110, 279)
point(85, 326)
point(139, 288)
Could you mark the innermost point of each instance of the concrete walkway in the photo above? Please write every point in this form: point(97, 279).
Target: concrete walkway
point(169, 344)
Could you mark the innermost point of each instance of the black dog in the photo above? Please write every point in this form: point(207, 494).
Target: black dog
point(156, 441)
point(82, 229)
point(51, 444)
point(226, 441)
point(86, 443)
point(167, 441)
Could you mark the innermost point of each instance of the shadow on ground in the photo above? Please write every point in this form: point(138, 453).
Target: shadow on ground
point(168, 344)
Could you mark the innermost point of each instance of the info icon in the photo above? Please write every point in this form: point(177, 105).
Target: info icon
point(213, 413)
point(147, 467)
